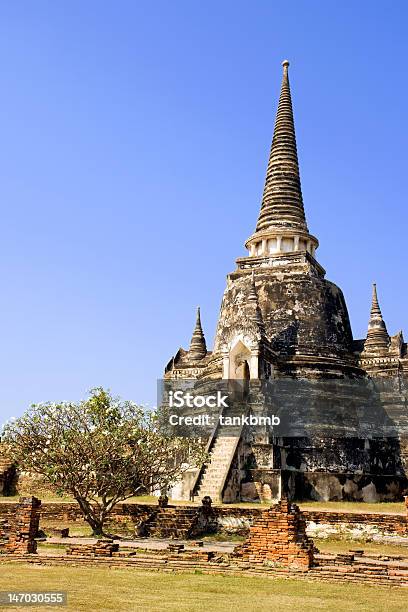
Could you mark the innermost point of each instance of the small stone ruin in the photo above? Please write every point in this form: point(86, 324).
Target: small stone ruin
point(18, 536)
point(278, 537)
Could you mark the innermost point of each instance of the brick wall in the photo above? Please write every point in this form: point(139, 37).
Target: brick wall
point(19, 531)
point(101, 548)
point(278, 537)
point(229, 519)
point(327, 567)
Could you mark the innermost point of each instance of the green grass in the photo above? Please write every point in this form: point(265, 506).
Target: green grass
point(80, 528)
point(76, 528)
point(332, 545)
point(340, 506)
point(49, 497)
point(131, 590)
point(44, 497)
point(391, 507)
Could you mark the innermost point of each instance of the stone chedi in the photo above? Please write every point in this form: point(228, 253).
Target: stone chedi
point(380, 354)
point(281, 319)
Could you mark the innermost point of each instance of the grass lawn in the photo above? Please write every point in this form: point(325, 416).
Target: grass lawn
point(79, 528)
point(391, 507)
point(49, 497)
point(329, 545)
point(339, 506)
point(128, 589)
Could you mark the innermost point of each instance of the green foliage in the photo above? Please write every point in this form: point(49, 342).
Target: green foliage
point(101, 450)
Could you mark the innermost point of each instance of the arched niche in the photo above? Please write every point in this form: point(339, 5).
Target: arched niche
point(240, 362)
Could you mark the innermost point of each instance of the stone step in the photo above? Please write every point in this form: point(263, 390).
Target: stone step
point(219, 463)
point(224, 444)
point(216, 470)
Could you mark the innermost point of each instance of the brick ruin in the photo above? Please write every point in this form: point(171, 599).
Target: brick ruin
point(101, 548)
point(139, 519)
point(18, 533)
point(354, 568)
point(277, 547)
point(278, 537)
point(177, 522)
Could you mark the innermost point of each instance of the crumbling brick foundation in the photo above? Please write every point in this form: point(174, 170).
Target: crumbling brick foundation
point(101, 548)
point(278, 537)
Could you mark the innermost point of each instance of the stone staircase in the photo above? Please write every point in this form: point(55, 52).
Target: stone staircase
point(222, 446)
point(216, 471)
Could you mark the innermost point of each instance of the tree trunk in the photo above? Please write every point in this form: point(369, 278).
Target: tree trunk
point(91, 517)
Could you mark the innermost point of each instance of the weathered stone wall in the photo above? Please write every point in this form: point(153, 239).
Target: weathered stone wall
point(383, 523)
point(324, 486)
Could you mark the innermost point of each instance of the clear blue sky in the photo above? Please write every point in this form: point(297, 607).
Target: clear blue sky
point(134, 142)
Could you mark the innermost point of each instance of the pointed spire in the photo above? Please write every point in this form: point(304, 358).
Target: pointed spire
point(282, 202)
point(377, 335)
point(375, 307)
point(198, 347)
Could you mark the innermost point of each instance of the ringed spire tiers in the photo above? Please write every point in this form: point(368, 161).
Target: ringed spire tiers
point(377, 335)
point(198, 347)
point(282, 226)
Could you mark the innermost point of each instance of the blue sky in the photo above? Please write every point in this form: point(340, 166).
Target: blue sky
point(134, 143)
